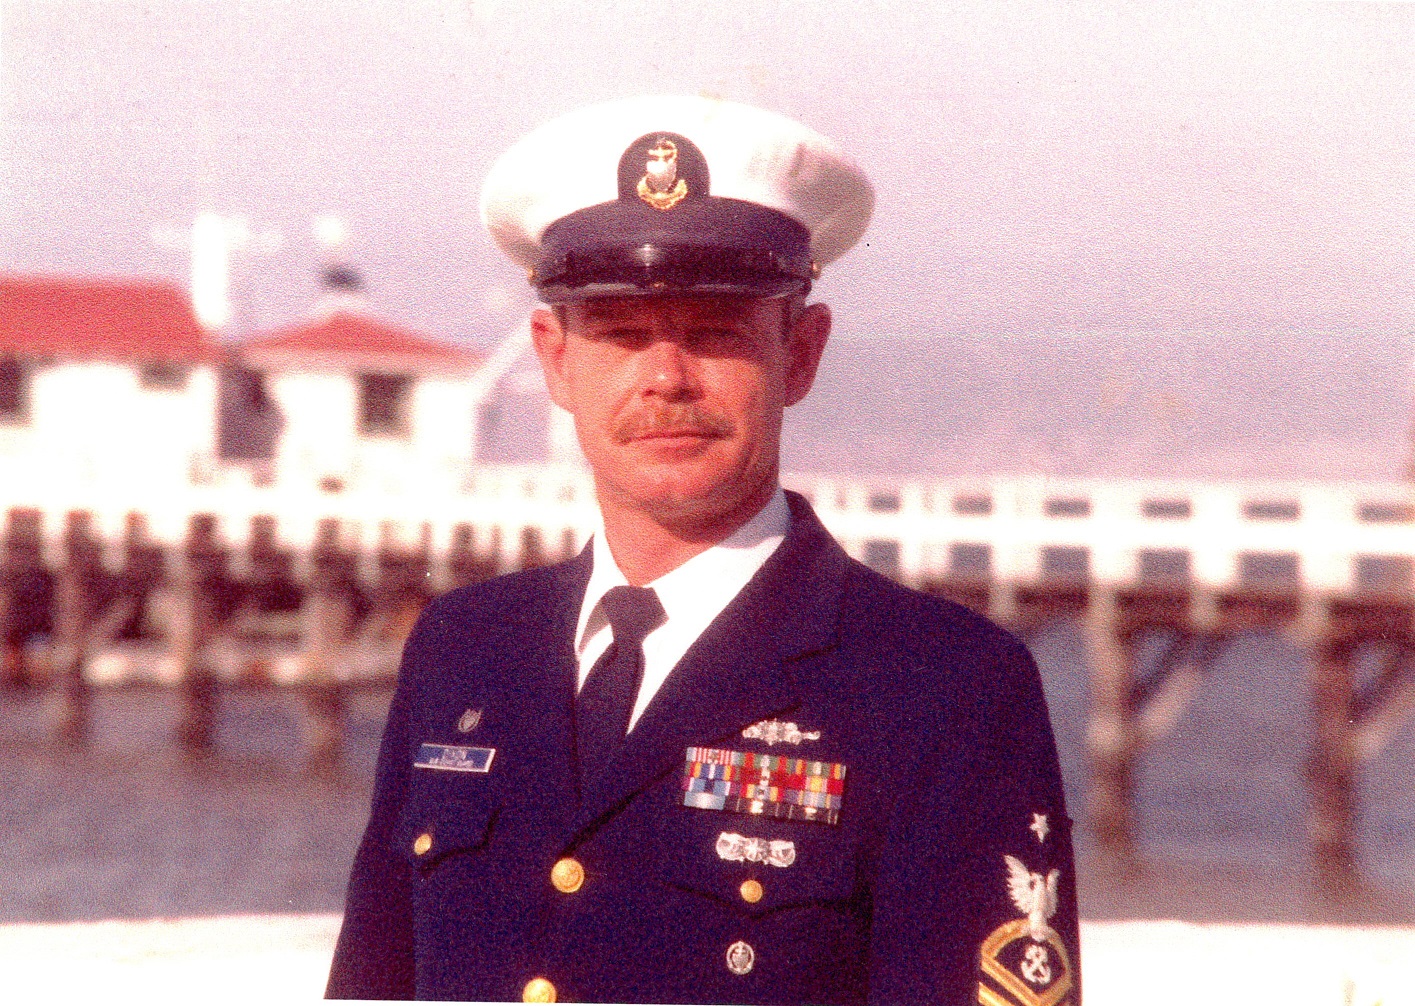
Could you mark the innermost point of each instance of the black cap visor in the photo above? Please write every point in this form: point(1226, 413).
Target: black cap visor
point(708, 245)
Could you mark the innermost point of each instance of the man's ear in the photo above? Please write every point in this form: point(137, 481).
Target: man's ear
point(805, 343)
point(548, 338)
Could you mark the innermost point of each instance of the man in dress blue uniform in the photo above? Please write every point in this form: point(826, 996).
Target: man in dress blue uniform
point(713, 759)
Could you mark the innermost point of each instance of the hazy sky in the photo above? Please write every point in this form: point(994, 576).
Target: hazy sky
point(1136, 172)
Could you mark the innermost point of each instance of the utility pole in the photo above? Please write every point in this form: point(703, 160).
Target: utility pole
point(211, 239)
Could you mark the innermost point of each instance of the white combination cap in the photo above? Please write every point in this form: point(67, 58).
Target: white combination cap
point(655, 195)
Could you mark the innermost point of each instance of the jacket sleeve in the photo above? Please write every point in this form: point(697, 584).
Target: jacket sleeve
point(373, 958)
point(974, 894)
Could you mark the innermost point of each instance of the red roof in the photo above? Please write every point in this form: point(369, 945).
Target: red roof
point(348, 339)
point(112, 319)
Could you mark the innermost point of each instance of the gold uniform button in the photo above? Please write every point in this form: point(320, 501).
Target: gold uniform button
point(752, 891)
point(538, 990)
point(567, 875)
point(421, 844)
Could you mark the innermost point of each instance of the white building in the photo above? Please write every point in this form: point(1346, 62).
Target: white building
point(364, 406)
point(107, 388)
point(109, 403)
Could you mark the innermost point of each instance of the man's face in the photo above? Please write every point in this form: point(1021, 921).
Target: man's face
point(678, 400)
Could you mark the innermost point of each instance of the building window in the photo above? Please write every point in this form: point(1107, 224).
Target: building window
point(385, 405)
point(882, 556)
point(163, 376)
point(1385, 574)
point(14, 391)
point(1269, 569)
point(1385, 513)
point(1065, 563)
point(1164, 565)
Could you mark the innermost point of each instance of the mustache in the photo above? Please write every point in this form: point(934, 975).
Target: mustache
point(689, 418)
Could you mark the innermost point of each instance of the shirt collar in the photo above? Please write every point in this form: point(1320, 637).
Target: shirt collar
point(695, 585)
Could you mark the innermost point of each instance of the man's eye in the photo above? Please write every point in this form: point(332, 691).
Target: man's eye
point(715, 338)
point(632, 338)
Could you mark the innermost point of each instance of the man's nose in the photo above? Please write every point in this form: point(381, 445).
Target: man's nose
point(668, 370)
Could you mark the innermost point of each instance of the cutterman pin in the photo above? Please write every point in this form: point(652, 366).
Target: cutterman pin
point(469, 721)
point(775, 731)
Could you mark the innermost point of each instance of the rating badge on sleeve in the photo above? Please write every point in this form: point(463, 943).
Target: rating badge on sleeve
point(1024, 962)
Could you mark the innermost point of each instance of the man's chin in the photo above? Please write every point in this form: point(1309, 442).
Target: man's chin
point(684, 495)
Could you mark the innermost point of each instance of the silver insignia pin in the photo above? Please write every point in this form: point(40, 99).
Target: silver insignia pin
point(469, 721)
point(1039, 826)
point(740, 849)
point(740, 957)
point(774, 732)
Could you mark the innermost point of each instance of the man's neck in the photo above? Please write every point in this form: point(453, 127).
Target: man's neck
point(646, 547)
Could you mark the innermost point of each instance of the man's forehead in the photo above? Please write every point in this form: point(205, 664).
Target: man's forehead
point(702, 308)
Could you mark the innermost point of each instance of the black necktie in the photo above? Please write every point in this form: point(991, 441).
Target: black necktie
point(607, 697)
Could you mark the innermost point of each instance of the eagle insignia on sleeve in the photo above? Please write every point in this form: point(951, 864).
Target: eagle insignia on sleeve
point(1024, 961)
point(1034, 896)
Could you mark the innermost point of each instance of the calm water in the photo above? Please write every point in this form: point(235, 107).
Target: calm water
point(1225, 787)
point(127, 829)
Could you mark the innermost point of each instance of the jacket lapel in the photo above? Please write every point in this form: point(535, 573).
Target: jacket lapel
point(739, 670)
point(542, 684)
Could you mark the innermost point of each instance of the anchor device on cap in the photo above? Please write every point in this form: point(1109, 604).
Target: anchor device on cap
point(661, 196)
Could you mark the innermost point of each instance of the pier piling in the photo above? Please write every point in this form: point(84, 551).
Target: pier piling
point(320, 605)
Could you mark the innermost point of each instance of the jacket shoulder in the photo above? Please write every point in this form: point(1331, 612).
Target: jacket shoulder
point(931, 660)
point(497, 616)
point(923, 626)
point(522, 597)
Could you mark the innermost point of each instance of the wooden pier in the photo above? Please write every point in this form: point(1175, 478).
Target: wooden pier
point(1134, 703)
point(320, 606)
point(204, 620)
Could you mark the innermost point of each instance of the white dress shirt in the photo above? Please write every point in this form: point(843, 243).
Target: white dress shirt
point(692, 596)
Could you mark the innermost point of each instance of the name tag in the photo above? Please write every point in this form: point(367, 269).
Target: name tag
point(454, 759)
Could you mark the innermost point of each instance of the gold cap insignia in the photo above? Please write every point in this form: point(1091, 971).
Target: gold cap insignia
point(661, 187)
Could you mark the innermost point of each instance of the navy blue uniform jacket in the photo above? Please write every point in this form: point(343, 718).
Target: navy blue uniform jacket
point(937, 715)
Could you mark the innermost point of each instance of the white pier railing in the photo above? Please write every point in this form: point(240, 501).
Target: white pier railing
point(1330, 537)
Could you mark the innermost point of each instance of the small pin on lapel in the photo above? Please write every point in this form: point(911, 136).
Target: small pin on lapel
point(741, 957)
point(469, 721)
point(775, 732)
